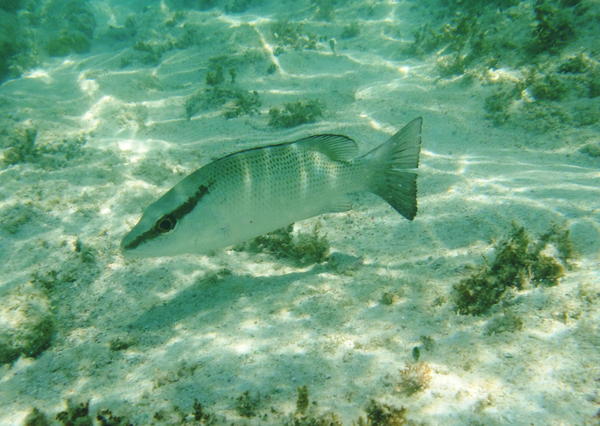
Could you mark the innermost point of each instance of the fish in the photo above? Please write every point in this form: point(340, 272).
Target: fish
point(258, 190)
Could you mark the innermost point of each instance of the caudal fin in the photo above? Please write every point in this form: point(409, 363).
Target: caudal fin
point(393, 165)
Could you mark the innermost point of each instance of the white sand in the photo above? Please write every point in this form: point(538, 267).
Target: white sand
point(265, 325)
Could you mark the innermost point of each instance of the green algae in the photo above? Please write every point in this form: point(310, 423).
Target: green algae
point(520, 261)
point(28, 323)
point(303, 248)
point(302, 399)
point(75, 414)
point(379, 414)
point(290, 35)
point(414, 378)
point(247, 404)
point(293, 114)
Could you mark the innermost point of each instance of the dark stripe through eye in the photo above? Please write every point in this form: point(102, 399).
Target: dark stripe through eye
point(167, 222)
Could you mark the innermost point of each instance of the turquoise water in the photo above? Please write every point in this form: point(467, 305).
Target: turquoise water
point(452, 318)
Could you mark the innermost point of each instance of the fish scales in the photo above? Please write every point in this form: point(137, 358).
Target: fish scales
point(275, 186)
point(254, 191)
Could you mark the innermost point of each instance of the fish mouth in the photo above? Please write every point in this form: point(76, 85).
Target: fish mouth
point(127, 250)
point(126, 243)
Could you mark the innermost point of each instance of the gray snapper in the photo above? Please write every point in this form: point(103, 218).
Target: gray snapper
point(258, 190)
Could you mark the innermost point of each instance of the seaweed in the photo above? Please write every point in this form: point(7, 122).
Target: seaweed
point(121, 343)
point(414, 378)
point(594, 83)
point(21, 145)
point(302, 400)
point(36, 417)
point(554, 27)
point(427, 344)
point(327, 419)
point(452, 64)
point(591, 150)
point(78, 16)
point(15, 216)
point(191, 36)
point(389, 298)
point(236, 101)
point(497, 105)
point(469, 6)
point(67, 42)
point(244, 103)
point(73, 26)
point(295, 113)
point(560, 237)
point(106, 418)
point(416, 353)
point(350, 31)
point(292, 35)
point(577, 64)
point(304, 248)
point(149, 53)
point(246, 405)
point(520, 261)
point(455, 36)
point(550, 87)
point(75, 414)
point(325, 9)
point(310, 247)
point(28, 325)
point(215, 75)
point(201, 415)
point(379, 414)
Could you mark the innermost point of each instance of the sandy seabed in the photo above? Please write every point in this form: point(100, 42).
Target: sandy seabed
point(142, 336)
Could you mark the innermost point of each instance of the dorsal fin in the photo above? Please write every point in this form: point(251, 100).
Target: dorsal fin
point(336, 147)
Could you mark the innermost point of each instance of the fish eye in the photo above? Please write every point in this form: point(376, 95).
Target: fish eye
point(165, 224)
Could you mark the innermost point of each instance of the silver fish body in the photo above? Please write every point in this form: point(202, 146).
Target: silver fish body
point(255, 191)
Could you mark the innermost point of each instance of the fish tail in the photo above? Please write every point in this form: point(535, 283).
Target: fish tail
point(393, 165)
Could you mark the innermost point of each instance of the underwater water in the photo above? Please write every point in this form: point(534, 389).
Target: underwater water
point(484, 309)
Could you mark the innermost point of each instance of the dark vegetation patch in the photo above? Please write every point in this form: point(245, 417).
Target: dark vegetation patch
point(591, 150)
point(520, 262)
point(247, 404)
point(384, 415)
point(28, 323)
point(376, 414)
point(528, 52)
point(295, 113)
point(415, 377)
point(302, 248)
point(291, 35)
point(21, 146)
point(223, 92)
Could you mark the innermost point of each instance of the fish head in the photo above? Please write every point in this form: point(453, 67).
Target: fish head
point(181, 221)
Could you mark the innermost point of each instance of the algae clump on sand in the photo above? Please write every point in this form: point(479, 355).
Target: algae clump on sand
point(26, 323)
point(303, 248)
point(293, 114)
point(520, 261)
